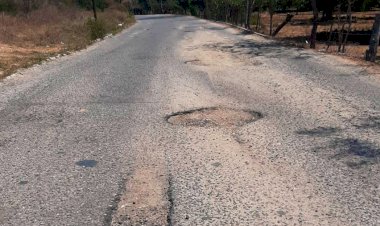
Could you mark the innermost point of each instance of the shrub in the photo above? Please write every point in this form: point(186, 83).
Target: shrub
point(97, 28)
point(7, 6)
point(193, 11)
point(100, 4)
point(254, 18)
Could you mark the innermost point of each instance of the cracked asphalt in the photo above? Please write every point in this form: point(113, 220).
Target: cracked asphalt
point(84, 138)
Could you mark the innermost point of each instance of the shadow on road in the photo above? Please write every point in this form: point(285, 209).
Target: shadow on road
point(370, 122)
point(319, 131)
point(267, 49)
point(156, 17)
point(354, 152)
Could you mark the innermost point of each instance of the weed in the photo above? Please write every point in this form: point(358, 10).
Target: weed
point(49, 30)
point(97, 28)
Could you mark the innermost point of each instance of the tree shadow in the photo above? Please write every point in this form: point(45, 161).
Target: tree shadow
point(354, 152)
point(267, 49)
point(357, 37)
point(319, 131)
point(371, 122)
point(156, 17)
point(354, 147)
point(216, 28)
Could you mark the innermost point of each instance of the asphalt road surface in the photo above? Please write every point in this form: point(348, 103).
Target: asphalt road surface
point(85, 139)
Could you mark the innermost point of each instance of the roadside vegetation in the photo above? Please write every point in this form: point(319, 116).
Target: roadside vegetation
point(33, 30)
point(339, 26)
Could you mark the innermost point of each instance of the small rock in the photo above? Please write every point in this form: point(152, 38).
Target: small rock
point(23, 182)
point(216, 164)
point(281, 213)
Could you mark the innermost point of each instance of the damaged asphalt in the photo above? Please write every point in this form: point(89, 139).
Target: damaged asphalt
point(84, 139)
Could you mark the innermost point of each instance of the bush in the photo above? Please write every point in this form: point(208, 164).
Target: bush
point(97, 28)
point(100, 4)
point(193, 11)
point(7, 6)
point(254, 19)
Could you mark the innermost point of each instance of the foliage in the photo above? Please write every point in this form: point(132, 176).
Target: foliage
point(218, 8)
point(100, 4)
point(97, 28)
point(15, 6)
point(7, 6)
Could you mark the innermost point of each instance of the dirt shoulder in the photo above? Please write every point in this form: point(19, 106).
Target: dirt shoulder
point(15, 57)
point(354, 54)
point(298, 32)
point(50, 31)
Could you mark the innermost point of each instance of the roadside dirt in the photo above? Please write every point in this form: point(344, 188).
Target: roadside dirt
point(14, 57)
point(48, 31)
point(298, 31)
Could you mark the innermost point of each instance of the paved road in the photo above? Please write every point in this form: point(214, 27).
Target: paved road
point(84, 140)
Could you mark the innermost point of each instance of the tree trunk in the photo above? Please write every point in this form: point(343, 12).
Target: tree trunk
point(248, 14)
point(330, 35)
point(226, 14)
point(270, 23)
point(27, 6)
point(328, 12)
point(374, 42)
point(94, 9)
point(206, 10)
point(287, 20)
point(258, 21)
point(340, 32)
point(313, 36)
point(349, 14)
point(242, 17)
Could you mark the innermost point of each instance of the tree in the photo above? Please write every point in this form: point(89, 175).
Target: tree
point(313, 36)
point(27, 5)
point(185, 5)
point(374, 42)
point(94, 9)
point(287, 20)
point(271, 9)
point(327, 6)
point(248, 13)
point(88, 4)
point(349, 15)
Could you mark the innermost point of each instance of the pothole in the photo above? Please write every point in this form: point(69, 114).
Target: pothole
point(215, 116)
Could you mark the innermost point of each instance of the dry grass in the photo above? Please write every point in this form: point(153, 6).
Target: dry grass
point(14, 57)
point(26, 40)
point(298, 30)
